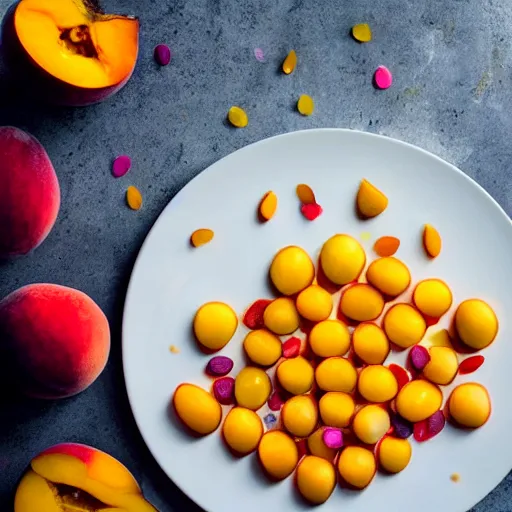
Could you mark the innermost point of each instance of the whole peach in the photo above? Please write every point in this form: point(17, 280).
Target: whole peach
point(29, 191)
point(54, 340)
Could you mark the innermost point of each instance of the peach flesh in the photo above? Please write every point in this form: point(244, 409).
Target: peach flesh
point(30, 192)
point(54, 340)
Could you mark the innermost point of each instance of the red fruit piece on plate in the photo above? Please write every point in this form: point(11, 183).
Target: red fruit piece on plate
point(311, 211)
point(302, 447)
point(401, 376)
point(275, 402)
point(429, 428)
point(471, 364)
point(253, 318)
point(419, 357)
point(291, 347)
point(420, 431)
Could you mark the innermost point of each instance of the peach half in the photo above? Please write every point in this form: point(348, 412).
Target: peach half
point(78, 478)
point(69, 52)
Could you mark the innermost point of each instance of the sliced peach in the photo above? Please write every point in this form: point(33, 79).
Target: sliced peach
point(431, 241)
point(370, 200)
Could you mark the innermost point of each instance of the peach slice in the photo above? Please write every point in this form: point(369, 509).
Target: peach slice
point(79, 478)
point(431, 241)
point(370, 200)
point(68, 51)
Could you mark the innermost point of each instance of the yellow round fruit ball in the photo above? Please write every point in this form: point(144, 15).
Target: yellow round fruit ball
point(292, 270)
point(370, 343)
point(357, 466)
point(377, 384)
point(418, 400)
point(361, 302)
point(296, 375)
point(342, 259)
point(389, 275)
point(329, 338)
point(214, 325)
point(252, 388)
point(278, 454)
point(316, 479)
point(371, 423)
point(404, 325)
point(432, 297)
point(242, 430)
point(317, 447)
point(197, 408)
point(281, 316)
point(476, 323)
point(336, 409)
point(336, 374)
point(394, 454)
point(299, 415)
point(262, 347)
point(470, 405)
point(443, 365)
point(314, 303)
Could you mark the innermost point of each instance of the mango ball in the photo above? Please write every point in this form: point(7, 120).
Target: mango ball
point(476, 323)
point(197, 408)
point(357, 466)
point(278, 454)
point(292, 270)
point(316, 446)
point(336, 374)
point(336, 409)
point(281, 316)
point(470, 405)
point(214, 325)
point(394, 454)
point(361, 302)
point(370, 343)
point(389, 275)
point(300, 415)
point(242, 430)
point(443, 365)
point(314, 303)
point(418, 400)
point(342, 259)
point(432, 297)
point(262, 347)
point(296, 375)
point(316, 479)
point(377, 384)
point(329, 338)
point(404, 326)
point(371, 423)
point(252, 388)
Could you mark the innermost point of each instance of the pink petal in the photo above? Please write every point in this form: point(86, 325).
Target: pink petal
point(383, 77)
point(419, 357)
point(258, 53)
point(332, 437)
point(121, 166)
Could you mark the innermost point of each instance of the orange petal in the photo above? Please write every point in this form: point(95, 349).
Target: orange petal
point(305, 194)
point(268, 206)
point(431, 241)
point(386, 246)
point(201, 237)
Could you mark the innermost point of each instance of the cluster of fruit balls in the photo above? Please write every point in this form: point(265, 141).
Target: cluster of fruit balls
point(354, 413)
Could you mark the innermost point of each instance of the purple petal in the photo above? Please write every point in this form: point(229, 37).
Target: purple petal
point(435, 423)
point(258, 53)
point(162, 54)
point(419, 357)
point(121, 166)
point(403, 428)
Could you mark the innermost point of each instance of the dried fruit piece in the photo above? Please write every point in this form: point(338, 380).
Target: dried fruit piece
point(276, 401)
point(370, 200)
point(419, 357)
point(305, 194)
point(383, 77)
point(162, 54)
point(362, 32)
point(311, 211)
point(401, 376)
point(219, 366)
point(386, 246)
point(305, 105)
point(402, 428)
point(238, 117)
point(268, 206)
point(290, 62)
point(471, 364)
point(332, 437)
point(224, 390)
point(291, 347)
point(431, 241)
point(253, 318)
point(201, 237)
point(121, 166)
point(134, 198)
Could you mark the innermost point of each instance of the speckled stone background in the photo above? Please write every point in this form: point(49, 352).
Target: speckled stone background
point(451, 95)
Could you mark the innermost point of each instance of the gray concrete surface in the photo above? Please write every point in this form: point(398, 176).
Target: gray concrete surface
point(452, 95)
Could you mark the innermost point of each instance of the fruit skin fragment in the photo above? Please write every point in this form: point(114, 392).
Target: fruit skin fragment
point(471, 364)
point(362, 32)
point(290, 63)
point(238, 117)
point(268, 206)
point(386, 246)
point(201, 237)
point(383, 78)
point(134, 198)
point(253, 317)
point(431, 241)
point(305, 105)
point(305, 194)
point(370, 200)
point(291, 348)
point(401, 376)
point(311, 211)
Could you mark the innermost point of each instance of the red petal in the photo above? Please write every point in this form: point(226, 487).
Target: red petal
point(401, 376)
point(311, 211)
point(275, 402)
point(291, 347)
point(471, 364)
point(253, 318)
point(302, 447)
point(421, 431)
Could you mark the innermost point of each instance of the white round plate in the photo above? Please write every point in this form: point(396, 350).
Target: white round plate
point(171, 280)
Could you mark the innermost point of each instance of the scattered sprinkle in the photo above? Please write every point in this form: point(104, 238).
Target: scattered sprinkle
point(362, 32)
point(291, 347)
point(365, 236)
point(455, 477)
point(258, 53)
point(238, 117)
point(290, 63)
point(268, 206)
point(305, 194)
point(201, 237)
point(332, 438)
point(134, 198)
point(162, 54)
point(386, 246)
point(471, 364)
point(122, 164)
point(311, 211)
point(174, 349)
point(306, 105)
point(383, 77)
point(270, 421)
point(253, 318)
